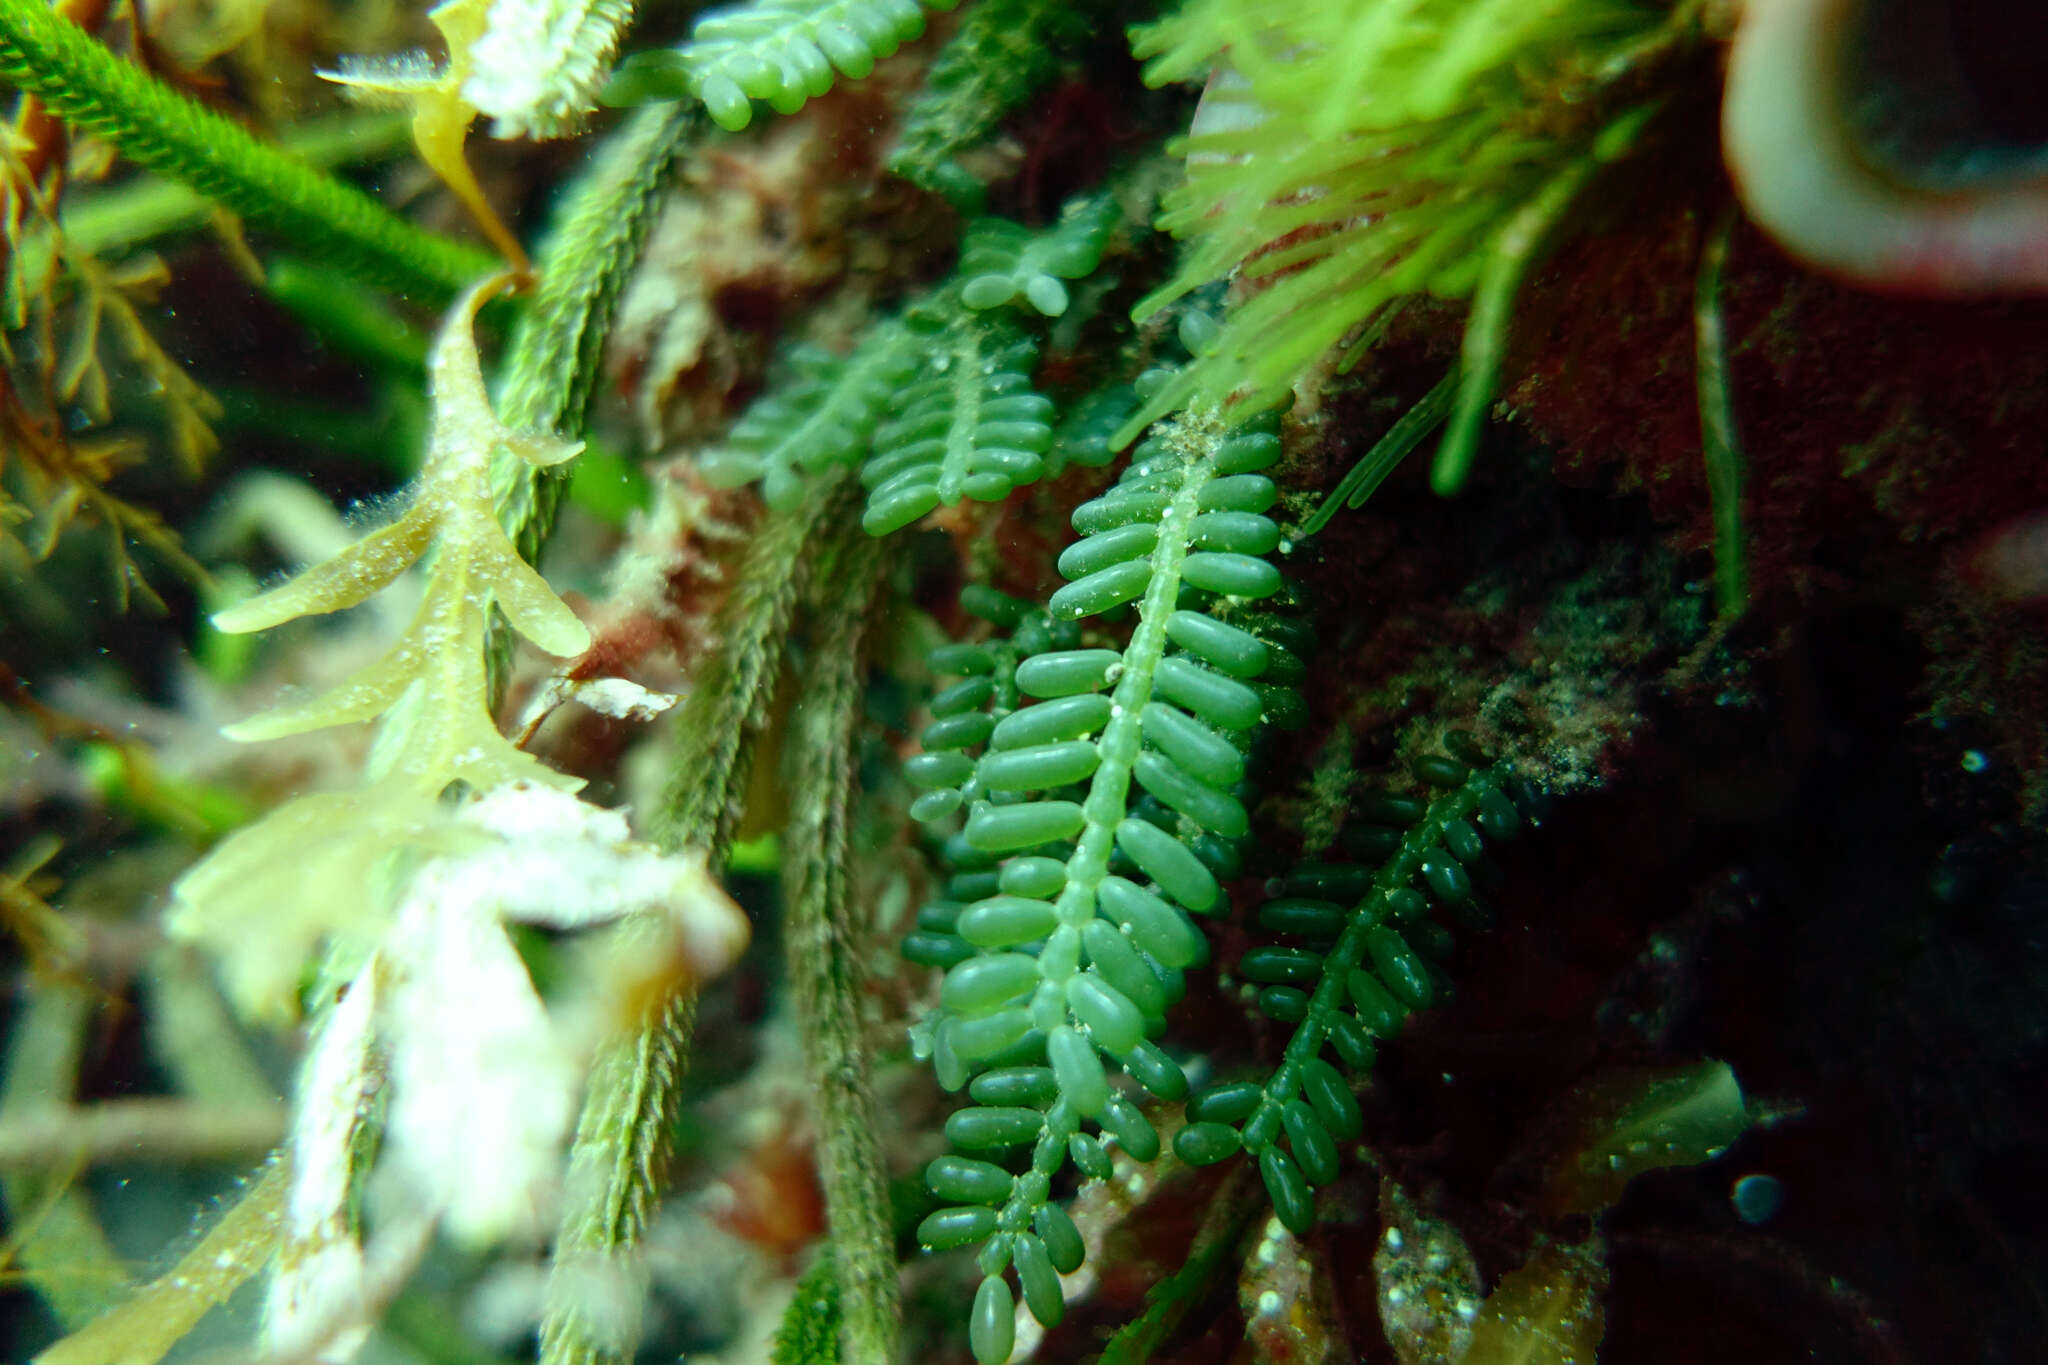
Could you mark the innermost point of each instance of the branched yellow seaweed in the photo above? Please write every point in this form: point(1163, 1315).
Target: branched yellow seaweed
point(449, 731)
point(267, 896)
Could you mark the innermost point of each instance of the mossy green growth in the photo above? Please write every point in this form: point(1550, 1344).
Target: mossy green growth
point(809, 1331)
point(1003, 52)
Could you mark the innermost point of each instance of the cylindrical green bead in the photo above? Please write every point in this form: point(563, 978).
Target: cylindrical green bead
point(1062, 1239)
point(1168, 863)
point(1066, 672)
point(1284, 1004)
point(1110, 1016)
point(1154, 925)
point(1449, 880)
point(1403, 904)
point(969, 887)
point(1352, 1043)
point(994, 606)
point(1206, 755)
point(1111, 954)
point(1220, 701)
point(1298, 917)
point(1462, 840)
point(1247, 452)
point(1226, 647)
point(1098, 592)
point(1078, 1068)
point(947, 1068)
point(928, 948)
point(1229, 1103)
point(899, 505)
point(999, 829)
point(985, 984)
point(1332, 1099)
point(974, 1130)
point(1337, 883)
point(1205, 805)
point(1238, 493)
point(1134, 1132)
point(1242, 533)
point(1006, 921)
point(967, 1180)
point(1497, 816)
point(1231, 575)
point(1090, 1158)
point(950, 1228)
point(967, 695)
point(1397, 965)
point(935, 805)
point(1262, 1129)
point(1314, 1151)
point(1377, 1009)
point(1039, 767)
point(1385, 808)
point(958, 732)
point(992, 1326)
point(937, 770)
point(1223, 857)
point(1038, 878)
point(978, 1039)
point(1278, 965)
point(1093, 554)
point(943, 915)
point(1440, 771)
point(1118, 507)
point(1038, 1279)
point(1292, 1201)
point(1205, 1144)
point(1014, 1085)
point(961, 660)
point(1157, 1072)
point(1051, 721)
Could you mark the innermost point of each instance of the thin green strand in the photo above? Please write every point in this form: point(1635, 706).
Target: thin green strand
point(1720, 443)
point(1387, 453)
point(822, 942)
point(619, 1157)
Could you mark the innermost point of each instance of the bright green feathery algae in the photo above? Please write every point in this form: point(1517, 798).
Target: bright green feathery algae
point(1348, 157)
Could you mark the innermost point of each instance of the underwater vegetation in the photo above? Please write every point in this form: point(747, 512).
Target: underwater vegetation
point(881, 681)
